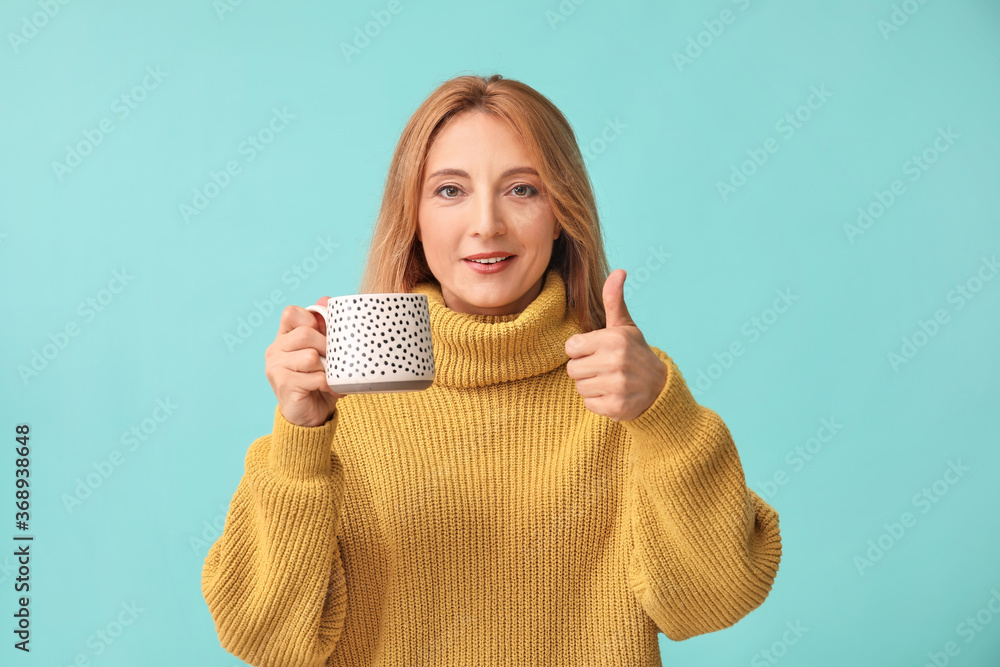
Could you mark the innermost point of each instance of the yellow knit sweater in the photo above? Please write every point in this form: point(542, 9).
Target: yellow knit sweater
point(490, 519)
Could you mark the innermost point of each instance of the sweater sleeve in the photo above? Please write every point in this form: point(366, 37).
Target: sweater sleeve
point(273, 580)
point(705, 548)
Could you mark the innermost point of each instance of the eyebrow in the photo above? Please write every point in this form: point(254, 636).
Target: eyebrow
point(462, 174)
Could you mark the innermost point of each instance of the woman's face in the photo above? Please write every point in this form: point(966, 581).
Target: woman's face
point(481, 194)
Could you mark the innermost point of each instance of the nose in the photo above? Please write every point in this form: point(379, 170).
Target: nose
point(488, 219)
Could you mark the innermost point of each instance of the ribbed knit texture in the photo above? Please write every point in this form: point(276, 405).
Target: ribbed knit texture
point(490, 519)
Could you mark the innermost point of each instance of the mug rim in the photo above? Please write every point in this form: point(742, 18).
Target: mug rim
point(376, 294)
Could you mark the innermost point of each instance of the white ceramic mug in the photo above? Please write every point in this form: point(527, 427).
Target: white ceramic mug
point(377, 343)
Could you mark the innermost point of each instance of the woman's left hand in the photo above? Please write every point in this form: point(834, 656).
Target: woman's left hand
point(616, 372)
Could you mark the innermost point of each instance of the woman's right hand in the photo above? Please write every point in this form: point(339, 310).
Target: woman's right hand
point(293, 367)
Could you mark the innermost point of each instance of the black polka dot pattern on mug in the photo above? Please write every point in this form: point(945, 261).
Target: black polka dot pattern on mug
point(379, 338)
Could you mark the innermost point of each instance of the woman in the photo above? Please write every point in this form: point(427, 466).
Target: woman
point(557, 497)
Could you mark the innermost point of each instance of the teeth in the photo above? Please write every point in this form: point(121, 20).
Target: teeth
point(492, 260)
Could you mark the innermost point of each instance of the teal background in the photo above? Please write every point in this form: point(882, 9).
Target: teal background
point(142, 534)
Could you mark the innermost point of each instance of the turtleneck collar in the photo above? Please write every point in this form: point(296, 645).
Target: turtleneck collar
point(479, 350)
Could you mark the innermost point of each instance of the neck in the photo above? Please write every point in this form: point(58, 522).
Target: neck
point(513, 308)
point(474, 350)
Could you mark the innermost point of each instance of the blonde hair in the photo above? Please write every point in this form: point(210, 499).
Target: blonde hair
point(396, 260)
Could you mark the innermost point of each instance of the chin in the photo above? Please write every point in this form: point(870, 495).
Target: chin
point(489, 298)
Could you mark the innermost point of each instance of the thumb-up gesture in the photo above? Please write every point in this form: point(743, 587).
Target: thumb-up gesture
point(616, 372)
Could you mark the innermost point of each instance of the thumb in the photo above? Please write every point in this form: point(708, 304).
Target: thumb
point(615, 311)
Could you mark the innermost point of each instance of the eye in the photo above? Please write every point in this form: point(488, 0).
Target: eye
point(529, 190)
point(446, 187)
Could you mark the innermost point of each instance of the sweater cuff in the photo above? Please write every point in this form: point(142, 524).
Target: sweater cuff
point(671, 425)
point(301, 452)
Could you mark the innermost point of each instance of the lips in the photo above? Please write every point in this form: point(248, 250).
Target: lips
point(490, 262)
point(490, 267)
point(490, 255)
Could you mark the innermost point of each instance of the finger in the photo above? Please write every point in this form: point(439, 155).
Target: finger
point(580, 369)
point(583, 344)
point(302, 338)
point(616, 314)
point(598, 405)
point(304, 361)
point(316, 380)
point(295, 316)
point(591, 387)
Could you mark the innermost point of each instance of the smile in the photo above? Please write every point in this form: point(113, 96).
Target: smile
point(488, 265)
